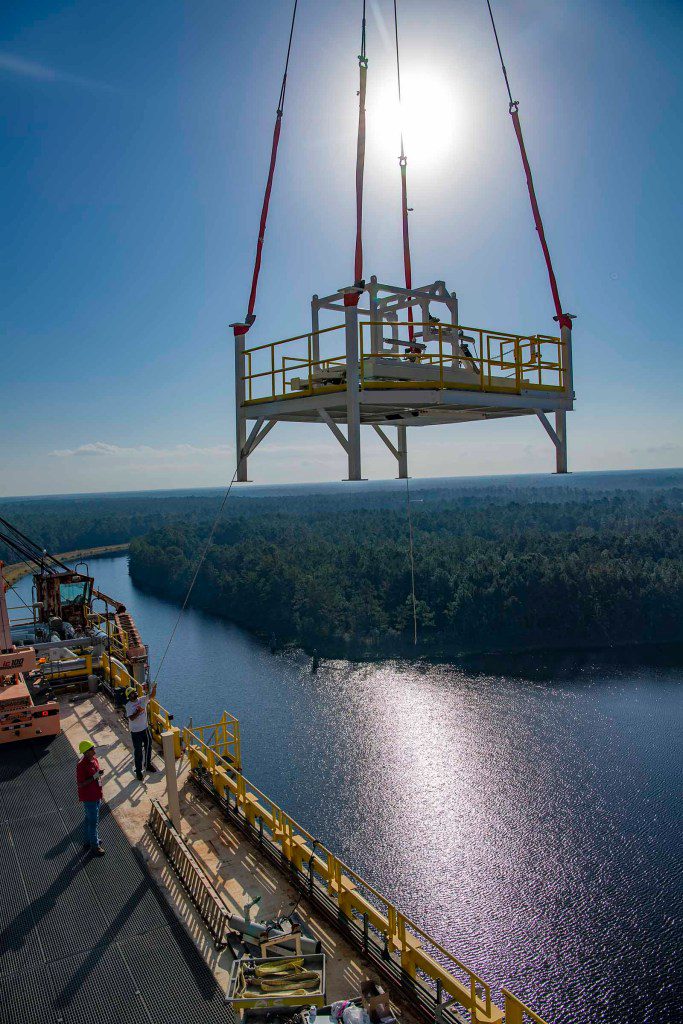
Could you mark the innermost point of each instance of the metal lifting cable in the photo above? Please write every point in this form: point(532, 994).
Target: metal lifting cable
point(412, 560)
point(562, 318)
point(242, 328)
point(197, 570)
point(403, 161)
point(351, 298)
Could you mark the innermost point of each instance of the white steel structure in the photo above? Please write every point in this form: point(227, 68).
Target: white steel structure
point(376, 375)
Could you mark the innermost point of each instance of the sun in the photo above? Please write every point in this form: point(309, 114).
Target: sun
point(430, 116)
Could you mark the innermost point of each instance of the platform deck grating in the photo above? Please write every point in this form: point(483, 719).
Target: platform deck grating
point(84, 939)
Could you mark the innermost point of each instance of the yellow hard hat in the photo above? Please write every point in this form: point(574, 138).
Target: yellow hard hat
point(131, 692)
point(85, 745)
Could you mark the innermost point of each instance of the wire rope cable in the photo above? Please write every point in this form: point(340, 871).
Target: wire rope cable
point(513, 103)
point(403, 163)
point(197, 570)
point(398, 76)
point(412, 560)
point(351, 298)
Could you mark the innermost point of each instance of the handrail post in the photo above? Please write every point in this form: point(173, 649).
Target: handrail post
point(567, 361)
point(240, 418)
point(440, 359)
point(514, 1010)
point(168, 747)
point(315, 329)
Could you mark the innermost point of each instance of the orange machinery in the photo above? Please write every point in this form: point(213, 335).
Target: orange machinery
point(20, 718)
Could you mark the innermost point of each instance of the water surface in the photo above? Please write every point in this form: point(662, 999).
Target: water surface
point(531, 827)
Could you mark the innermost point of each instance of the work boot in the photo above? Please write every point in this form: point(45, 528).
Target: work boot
point(151, 767)
point(139, 776)
point(98, 851)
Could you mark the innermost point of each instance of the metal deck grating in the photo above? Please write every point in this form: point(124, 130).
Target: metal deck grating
point(27, 795)
point(62, 897)
point(85, 940)
point(19, 942)
point(26, 998)
point(96, 986)
point(184, 991)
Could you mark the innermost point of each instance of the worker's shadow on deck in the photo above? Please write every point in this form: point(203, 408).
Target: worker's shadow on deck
point(15, 934)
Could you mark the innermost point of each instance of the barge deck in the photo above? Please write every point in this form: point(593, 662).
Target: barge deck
point(116, 938)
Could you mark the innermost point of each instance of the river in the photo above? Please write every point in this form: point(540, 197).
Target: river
point(533, 828)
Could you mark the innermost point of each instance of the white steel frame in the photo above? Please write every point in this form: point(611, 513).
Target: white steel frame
point(402, 408)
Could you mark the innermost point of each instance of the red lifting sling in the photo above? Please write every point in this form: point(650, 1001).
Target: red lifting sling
point(242, 328)
point(562, 318)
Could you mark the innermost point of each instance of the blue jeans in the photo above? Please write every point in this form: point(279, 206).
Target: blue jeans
point(92, 822)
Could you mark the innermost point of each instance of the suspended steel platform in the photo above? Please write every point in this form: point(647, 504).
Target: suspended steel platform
point(393, 362)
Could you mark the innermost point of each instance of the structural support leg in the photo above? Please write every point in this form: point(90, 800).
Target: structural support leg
point(326, 418)
point(400, 453)
point(402, 446)
point(352, 393)
point(558, 436)
point(240, 420)
point(561, 443)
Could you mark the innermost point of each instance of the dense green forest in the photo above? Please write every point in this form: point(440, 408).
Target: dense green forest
point(494, 570)
point(501, 564)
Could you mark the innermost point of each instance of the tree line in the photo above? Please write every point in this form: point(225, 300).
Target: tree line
point(495, 569)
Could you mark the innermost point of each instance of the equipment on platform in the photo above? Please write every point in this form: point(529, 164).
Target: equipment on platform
point(20, 718)
point(285, 933)
point(277, 981)
point(384, 366)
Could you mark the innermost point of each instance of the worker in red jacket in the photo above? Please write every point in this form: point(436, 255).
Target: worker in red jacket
point(88, 775)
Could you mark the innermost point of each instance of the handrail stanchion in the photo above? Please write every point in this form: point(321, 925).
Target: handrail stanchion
point(168, 746)
point(310, 366)
point(440, 359)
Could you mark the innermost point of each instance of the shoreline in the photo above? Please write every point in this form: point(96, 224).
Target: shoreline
point(17, 570)
point(528, 659)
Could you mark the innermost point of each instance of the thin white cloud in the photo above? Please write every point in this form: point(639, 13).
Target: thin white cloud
point(101, 449)
point(13, 65)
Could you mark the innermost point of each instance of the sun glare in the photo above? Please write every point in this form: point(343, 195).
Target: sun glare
point(429, 116)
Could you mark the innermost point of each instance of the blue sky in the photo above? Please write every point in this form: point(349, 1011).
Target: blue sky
point(135, 140)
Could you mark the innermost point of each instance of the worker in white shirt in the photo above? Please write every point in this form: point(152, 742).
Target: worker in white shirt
point(136, 713)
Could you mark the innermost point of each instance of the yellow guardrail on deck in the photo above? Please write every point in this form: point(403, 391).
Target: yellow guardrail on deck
point(353, 897)
point(516, 1011)
point(277, 371)
point(160, 720)
point(499, 362)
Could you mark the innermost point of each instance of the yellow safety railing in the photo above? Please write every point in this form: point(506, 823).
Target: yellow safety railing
point(516, 1011)
point(497, 361)
point(352, 896)
point(117, 638)
point(271, 373)
point(158, 717)
point(223, 737)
